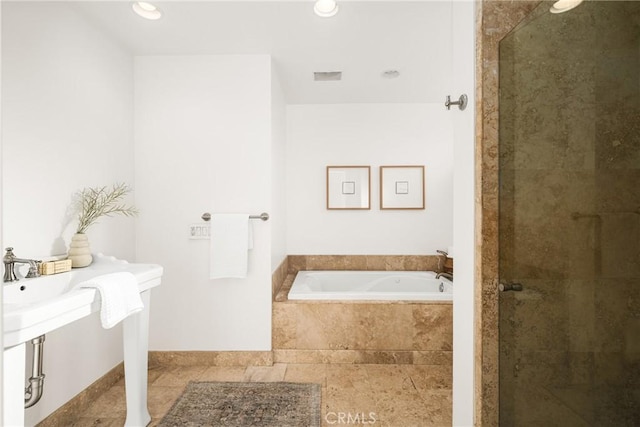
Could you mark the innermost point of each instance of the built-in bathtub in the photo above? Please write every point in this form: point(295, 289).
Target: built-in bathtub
point(368, 316)
point(367, 331)
point(370, 286)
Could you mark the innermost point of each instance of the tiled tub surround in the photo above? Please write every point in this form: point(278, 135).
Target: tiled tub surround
point(379, 332)
point(363, 262)
point(362, 332)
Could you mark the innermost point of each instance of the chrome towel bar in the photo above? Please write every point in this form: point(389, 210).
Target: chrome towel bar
point(263, 216)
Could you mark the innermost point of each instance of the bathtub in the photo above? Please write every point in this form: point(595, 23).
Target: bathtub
point(370, 285)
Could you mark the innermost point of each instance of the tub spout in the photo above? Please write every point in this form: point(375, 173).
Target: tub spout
point(442, 259)
point(445, 275)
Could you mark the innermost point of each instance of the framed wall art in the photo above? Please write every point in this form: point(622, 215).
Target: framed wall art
point(402, 187)
point(348, 187)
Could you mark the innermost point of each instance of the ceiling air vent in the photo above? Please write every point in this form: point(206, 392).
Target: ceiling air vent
point(327, 76)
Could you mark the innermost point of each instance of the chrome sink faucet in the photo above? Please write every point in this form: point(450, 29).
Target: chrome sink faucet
point(10, 261)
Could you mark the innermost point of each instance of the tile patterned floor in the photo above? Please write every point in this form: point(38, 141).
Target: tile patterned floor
point(374, 395)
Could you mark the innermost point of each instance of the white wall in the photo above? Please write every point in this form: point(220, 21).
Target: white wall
point(278, 172)
point(67, 125)
point(1, 217)
point(464, 355)
point(375, 135)
point(67, 112)
point(203, 144)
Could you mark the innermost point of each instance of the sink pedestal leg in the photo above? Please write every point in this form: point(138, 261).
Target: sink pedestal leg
point(13, 385)
point(136, 347)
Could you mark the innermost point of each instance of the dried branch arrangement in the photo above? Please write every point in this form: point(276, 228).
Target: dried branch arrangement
point(95, 202)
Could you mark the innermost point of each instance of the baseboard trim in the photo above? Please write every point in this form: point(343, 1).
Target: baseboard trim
point(377, 357)
point(210, 358)
point(68, 413)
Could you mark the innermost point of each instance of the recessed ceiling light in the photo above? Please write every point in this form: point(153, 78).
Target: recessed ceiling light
point(564, 5)
point(325, 8)
point(391, 74)
point(146, 10)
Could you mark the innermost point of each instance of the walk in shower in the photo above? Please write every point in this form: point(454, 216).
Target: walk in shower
point(569, 217)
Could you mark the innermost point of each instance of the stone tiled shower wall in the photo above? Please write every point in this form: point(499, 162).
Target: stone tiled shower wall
point(495, 19)
point(582, 162)
point(569, 162)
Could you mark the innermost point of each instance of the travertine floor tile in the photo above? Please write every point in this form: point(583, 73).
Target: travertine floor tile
point(349, 396)
point(349, 403)
point(347, 377)
point(396, 410)
point(384, 378)
point(179, 376)
point(161, 399)
point(223, 373)
point(265, 373)
point(331, 418)
point(99, 422)
point(380, 395)
point(306, 373)
point(154, 373)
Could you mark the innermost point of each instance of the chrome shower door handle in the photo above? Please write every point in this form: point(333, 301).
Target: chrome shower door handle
point(503, 287)
point(461, 102)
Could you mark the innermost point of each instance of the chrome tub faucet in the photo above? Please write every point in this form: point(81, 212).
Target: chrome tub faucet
point(442, 259)
point(445, 275)
point(10, 260)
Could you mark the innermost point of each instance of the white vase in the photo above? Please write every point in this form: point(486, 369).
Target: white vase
point(79, 251)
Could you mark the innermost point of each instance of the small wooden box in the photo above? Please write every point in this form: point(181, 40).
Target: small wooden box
point(55, 267)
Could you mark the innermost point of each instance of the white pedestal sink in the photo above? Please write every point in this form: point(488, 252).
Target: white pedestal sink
point(33, 307)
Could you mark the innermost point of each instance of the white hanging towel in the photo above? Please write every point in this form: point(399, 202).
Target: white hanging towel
point(231, 239)
point(119, 296)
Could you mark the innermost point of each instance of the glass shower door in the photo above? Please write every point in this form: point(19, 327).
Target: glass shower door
point(569, 221)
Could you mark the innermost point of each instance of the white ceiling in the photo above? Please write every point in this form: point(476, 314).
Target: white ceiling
point(363, 40)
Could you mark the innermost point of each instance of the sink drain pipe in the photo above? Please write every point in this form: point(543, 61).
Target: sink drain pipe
point(34, 390)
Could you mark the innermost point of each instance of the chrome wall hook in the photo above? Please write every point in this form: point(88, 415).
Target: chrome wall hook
point(461, 102)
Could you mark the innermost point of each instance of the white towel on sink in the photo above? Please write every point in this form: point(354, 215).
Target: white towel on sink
point(119, 296)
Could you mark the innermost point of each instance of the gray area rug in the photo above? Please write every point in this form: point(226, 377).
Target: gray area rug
point(237, 404)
